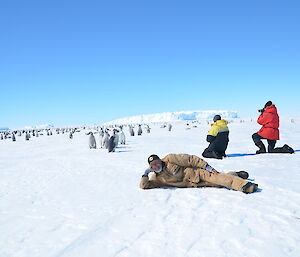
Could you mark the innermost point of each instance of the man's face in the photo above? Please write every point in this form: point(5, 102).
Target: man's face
point(156, 166)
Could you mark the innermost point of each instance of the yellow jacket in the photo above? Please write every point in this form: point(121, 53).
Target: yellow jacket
point(218, 126)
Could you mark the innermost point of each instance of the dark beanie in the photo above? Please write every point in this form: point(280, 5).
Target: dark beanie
point(152, 158)
point(269, 103)
point(217, 117)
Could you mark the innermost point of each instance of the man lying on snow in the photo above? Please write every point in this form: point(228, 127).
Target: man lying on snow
point(184, 170)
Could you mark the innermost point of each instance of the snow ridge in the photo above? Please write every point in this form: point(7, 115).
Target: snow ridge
point(175, 116)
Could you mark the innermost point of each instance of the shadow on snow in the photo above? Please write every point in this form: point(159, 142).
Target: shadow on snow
point(247, 154)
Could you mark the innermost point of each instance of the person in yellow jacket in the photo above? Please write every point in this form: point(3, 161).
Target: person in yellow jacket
point(184, 170)
point(218, 138)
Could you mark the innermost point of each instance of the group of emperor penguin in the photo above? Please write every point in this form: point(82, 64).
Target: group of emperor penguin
point(109, 137)
point(110, 142)
point(28, 133)
point(107, 141)
point(139, 130)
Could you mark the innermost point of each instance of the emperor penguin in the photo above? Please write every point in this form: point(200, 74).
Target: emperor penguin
point(112, 143)
point(140, 130)
point(1, 137)
point(122, 137)
point(115, 131)
point(105, 140)
point(27, 136)
point(92, 141)
point(13, 137)
point(169, 127)
point(71, 135)
point(131, 131)
point(101, 135)
point(148, 129)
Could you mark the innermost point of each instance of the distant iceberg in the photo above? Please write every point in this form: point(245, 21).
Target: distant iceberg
point(175, 116)
point(40, 126)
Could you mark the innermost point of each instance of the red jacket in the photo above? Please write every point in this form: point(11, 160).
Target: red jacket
point(270, 123)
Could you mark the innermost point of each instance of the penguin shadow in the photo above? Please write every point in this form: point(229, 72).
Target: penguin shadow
point(131, 143)
point(123, 147)
point(123, 151)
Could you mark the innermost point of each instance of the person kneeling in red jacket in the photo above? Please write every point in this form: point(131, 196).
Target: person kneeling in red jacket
point(269, 120)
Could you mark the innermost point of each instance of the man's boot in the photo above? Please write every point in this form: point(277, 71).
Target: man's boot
point(249, 188)
point(288, 149)
point(262, 148)
point(242, 174)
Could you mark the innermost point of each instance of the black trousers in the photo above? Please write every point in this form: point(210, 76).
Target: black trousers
point(257, 141)
point(208, 153)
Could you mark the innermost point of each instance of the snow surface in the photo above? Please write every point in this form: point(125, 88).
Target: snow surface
point(59, 198)
point(174, 116)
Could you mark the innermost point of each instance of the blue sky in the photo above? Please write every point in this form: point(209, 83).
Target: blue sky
point(86, 62)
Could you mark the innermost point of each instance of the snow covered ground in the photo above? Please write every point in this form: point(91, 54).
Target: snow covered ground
point(58, 198)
